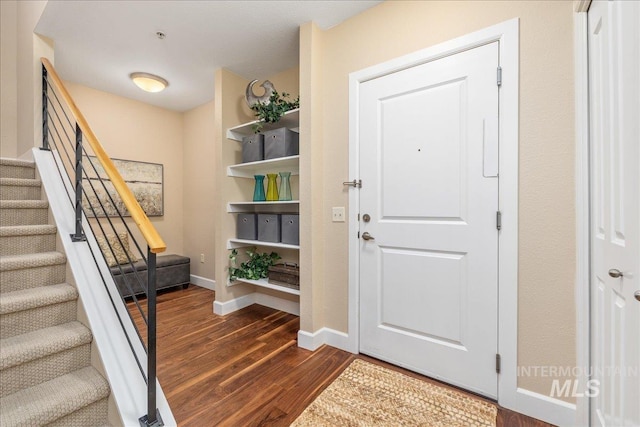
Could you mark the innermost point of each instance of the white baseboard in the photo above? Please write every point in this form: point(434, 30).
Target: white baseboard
point(313, 341)
point(203, 282)
point(544, 408)
point(224, 308)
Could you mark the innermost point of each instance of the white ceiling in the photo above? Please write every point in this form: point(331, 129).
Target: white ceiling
point(99, 43)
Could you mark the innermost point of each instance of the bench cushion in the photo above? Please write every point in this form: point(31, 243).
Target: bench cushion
point(161, 261)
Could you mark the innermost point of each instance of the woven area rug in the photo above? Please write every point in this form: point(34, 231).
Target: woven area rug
point(370, 395)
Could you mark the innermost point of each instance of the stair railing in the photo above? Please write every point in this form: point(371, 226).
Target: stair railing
point(102, 199)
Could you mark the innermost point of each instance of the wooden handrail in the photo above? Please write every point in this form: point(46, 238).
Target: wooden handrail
point(149, 232)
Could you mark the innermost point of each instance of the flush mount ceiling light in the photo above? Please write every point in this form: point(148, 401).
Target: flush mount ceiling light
point(149, 82)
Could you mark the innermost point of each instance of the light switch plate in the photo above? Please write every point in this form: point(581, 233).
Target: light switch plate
point(338, 214)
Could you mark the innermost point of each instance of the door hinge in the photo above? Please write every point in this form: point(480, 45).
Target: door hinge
point(499, 220)
point(498, 362)
point(499, 77)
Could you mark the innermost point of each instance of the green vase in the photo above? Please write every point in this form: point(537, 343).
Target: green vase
point(285, 186)
point(272, 187)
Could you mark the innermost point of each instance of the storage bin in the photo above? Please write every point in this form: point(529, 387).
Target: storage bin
point(282, 142)
point(286, 274)
point(247, 226)
point(252, 148)
point(290, 229)
point(269, 228)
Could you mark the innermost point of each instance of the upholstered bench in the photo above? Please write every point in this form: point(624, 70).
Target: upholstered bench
point(171, 270)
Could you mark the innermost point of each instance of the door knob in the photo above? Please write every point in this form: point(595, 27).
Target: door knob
point(637, 295)
point(615, 273)
point(367, 236)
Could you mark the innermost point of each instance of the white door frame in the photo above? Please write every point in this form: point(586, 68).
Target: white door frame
point(583, 235)
point(507, 34)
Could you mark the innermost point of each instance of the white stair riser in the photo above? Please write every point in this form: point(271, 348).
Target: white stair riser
point(21, 322)
point(44, 369)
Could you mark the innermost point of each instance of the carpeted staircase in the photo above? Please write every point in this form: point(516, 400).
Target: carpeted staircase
point(46, 377)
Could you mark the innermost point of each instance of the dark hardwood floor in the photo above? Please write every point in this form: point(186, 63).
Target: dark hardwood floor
point(245, 369)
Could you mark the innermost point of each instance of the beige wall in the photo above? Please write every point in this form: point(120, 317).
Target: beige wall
point(132, 130)
point(8, 79)
point(231, 110)
point(30, 47)
point(312, 207)
point(546, 322)
point(199, 188)
point(20, 82)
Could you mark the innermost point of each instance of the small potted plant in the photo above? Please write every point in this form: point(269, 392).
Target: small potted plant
point(272, 111)
point(256, 267)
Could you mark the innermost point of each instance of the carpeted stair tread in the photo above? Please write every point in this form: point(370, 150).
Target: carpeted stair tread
point(20, 182)
point(24, 204)
point(27, 239)
point(43, 342)
point(20, 189)
point(5, 161)
point(27, 230)
point(23, 212)
point(18, 262)
point(14, 168)
point(26, 299)
point(54, 399)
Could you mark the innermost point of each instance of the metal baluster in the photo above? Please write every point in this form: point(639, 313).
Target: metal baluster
point(78, 236)
point(153, 415)
point(45, 120)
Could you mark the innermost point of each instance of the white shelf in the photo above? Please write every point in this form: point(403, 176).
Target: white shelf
point(265, 284)
point(240, 243)
point(278, 207)
point(248, 170)
point(263, 167)
point(289, 120)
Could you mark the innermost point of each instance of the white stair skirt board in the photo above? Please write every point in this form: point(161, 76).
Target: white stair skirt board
point(224, 308)
point(128, 387)
point(328, 336)
point(203, 282)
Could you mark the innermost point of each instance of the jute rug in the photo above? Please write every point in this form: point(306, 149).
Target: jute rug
point(370, 395)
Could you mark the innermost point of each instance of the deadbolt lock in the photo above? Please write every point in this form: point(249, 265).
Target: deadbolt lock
point(366, 217)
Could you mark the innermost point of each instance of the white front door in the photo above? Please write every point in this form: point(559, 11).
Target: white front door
point(428, 164)
point(614, 91)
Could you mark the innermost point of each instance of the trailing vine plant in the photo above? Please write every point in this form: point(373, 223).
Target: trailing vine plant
point(274, 110)
point(256, 267)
